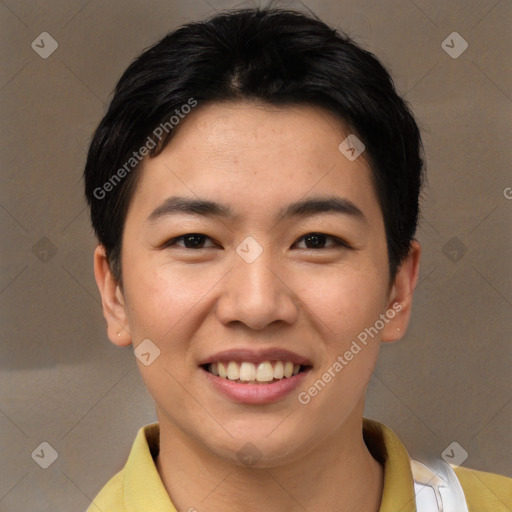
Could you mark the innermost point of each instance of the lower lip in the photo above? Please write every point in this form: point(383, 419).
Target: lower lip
point(255, 393)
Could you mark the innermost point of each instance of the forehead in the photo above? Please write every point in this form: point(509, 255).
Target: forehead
point(247, 154)
point(246, 129)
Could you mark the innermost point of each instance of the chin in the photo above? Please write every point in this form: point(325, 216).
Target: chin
point(261, 448)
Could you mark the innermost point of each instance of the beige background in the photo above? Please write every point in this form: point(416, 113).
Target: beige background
point(62, 381)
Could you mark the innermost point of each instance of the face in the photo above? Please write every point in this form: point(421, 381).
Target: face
point(286, 272)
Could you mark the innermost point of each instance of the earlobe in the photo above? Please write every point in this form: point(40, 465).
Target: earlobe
point(401, 296)
point(114, 309)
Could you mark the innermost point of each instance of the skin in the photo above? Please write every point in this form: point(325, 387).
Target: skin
point(193, 303)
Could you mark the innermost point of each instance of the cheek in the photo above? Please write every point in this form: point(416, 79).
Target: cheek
point(345, 301)
point(164, 305)
point(346, 307)
point(164, 301)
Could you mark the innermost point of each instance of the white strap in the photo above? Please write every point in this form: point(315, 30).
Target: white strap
point(437, 487)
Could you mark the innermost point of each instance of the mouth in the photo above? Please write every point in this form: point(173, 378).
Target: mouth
point(255, 377)
point(249, 372)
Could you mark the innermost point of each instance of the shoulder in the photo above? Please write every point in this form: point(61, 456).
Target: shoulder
point(111, 496)
point(485, 492)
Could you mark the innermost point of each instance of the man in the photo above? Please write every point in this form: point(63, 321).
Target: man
point(254, 188)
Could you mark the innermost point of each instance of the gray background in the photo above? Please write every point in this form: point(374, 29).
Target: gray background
point(64, 383)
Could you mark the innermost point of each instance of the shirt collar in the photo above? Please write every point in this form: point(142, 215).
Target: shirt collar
point(384, 445)
point(144, 490)
point(143, 487)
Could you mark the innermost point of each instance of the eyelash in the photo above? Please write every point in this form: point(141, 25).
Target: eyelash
point(338, 242)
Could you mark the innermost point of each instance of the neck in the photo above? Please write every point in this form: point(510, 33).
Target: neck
point(339, 474)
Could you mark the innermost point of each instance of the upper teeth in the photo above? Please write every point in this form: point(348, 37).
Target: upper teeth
point(247, 372)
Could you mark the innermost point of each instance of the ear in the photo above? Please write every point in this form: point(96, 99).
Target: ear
point(400, 298)
point(114, 309)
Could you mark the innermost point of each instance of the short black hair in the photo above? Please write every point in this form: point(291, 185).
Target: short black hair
point(277, 56)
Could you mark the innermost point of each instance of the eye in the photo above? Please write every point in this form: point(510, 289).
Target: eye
point(190, 241)
point(312, 241)
point(317, 241)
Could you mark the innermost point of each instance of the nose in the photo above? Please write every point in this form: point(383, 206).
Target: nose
point(257, 294)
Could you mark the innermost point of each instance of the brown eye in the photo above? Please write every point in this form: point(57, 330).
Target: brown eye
point(318, 240)
point(190, 241)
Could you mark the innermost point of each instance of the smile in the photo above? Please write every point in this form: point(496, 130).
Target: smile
point(247, 372)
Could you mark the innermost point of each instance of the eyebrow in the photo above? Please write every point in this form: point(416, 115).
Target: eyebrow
point(175, 205)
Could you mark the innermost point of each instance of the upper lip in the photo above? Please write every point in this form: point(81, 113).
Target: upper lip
point(256, 356)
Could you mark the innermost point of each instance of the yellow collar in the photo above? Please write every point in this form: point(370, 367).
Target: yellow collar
point(144, 490)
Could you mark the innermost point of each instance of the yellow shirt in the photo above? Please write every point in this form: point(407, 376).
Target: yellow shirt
point(138, 487)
